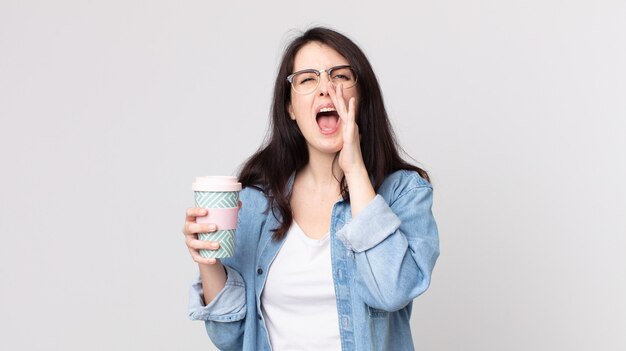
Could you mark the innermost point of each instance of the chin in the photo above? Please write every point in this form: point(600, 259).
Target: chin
point(330, 149)
point(327, 147)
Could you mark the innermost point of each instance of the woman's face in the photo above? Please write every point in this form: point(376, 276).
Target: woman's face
point(315, 112)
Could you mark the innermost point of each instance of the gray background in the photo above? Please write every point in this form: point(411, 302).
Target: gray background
point(109, 109)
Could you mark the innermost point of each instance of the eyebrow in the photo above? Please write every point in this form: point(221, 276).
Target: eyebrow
point(322, 70)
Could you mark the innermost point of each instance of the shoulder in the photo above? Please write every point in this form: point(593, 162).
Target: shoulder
point(402, 182)
point(405, 179)
point(252, 193)
point(253, 198)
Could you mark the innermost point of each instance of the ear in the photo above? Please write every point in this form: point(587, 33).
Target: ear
point(291, 114)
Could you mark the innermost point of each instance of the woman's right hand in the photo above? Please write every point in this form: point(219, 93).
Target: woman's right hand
point(191, 230)
point(212, 272)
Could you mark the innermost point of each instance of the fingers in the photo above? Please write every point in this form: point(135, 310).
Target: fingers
point(339, 93)
point(351, 105)
point(196, 244)
point(336, 96)
point(192, 228)
point(194, 212)
point(346, 112)
point(352, 114)
point(201, 260)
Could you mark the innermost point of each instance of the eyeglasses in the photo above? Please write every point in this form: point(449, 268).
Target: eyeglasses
point(307, 80)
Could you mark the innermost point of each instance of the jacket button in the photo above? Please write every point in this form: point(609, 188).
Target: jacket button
point(259, 270)
point(346, 322)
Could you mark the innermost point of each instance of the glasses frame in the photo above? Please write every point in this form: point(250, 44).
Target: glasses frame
point(318, 74)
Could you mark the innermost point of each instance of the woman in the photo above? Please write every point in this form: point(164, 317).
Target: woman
point(335, 236)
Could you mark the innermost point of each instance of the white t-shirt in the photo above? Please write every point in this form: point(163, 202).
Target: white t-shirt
point(298, 300)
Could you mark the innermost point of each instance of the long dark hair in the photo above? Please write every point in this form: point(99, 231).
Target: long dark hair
point(285, 150)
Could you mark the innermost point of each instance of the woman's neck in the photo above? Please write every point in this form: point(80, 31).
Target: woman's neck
point(322, 171)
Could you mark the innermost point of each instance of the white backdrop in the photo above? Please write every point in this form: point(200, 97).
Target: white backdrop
point(109, 109)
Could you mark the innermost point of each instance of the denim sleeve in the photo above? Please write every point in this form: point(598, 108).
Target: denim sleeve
point(224, 316)
point(395, 248)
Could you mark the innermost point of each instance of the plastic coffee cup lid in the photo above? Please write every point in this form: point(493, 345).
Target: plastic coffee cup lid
point(216, 183)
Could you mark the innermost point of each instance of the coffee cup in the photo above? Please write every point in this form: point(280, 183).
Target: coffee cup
point(220, 196)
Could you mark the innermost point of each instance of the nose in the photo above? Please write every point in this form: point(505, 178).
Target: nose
point(323, 85)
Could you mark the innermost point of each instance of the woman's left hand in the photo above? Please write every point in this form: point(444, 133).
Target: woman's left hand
point(350, 157)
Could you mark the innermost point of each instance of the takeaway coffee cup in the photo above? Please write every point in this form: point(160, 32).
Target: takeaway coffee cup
point(220, 196)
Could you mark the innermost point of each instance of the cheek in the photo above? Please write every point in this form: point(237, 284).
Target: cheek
point(353, 94)
point(300, 106)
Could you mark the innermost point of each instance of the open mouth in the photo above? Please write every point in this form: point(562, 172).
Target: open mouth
point(328, 120)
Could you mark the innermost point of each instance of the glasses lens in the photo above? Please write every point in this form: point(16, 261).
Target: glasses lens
point(344, 76)
point(305, 82)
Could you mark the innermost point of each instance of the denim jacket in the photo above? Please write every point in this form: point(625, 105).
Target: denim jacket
point(382, 259)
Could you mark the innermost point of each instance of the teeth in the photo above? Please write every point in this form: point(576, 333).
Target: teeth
point(327, 109)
